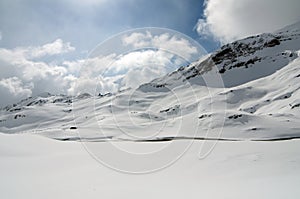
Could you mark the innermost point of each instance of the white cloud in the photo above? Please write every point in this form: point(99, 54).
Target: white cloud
point(22, 75)
point(166, 42)
point(16, 62)
point(144, 74)
point(139, 59)
point(82, 85)
point(54, 48)
point(203, 28)
point(138, 39)
point(228, 20)
point(148, 56)
point(143, 66)
point(15, 87)
point(112, 73)
point(90, 73)
point(93, 67)
point(28, 53)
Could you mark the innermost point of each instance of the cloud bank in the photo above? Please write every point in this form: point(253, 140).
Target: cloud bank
point(142, 56)
point(27, 71)
point(163, 41)
point(229, 20)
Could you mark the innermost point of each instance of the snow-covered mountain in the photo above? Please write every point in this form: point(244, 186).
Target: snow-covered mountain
point(243, 60)
point(260, 100)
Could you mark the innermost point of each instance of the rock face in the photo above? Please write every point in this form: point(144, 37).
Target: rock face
point(230, 54)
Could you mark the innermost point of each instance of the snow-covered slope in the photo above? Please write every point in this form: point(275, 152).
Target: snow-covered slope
point(260, 100)
point(34, 167)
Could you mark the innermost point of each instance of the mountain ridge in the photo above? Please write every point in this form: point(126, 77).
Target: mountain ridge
point(262, 106)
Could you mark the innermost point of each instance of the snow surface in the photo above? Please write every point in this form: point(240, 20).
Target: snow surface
point(36, 167)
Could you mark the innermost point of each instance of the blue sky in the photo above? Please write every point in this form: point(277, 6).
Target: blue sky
point(87, 23)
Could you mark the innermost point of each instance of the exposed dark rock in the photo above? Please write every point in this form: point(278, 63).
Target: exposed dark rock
point(19, 116)
point(295, 106)
point(15, 109)
point(222, 70)
point(272, 43)
point(235, 116)
point(204, 116)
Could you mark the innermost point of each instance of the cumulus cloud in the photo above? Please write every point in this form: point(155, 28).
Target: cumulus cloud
point(144, 74)
point(24, 71)
point(28, 53)
point(15, 87)
point(31, 70)
point(149, 55)
point(171, 43)
point(16, 62)
point(22, 74)
point(229, 20)
point(140, 59)
point(143, 66)
point(57, 47)
point(89, 74)
point(112, 73)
